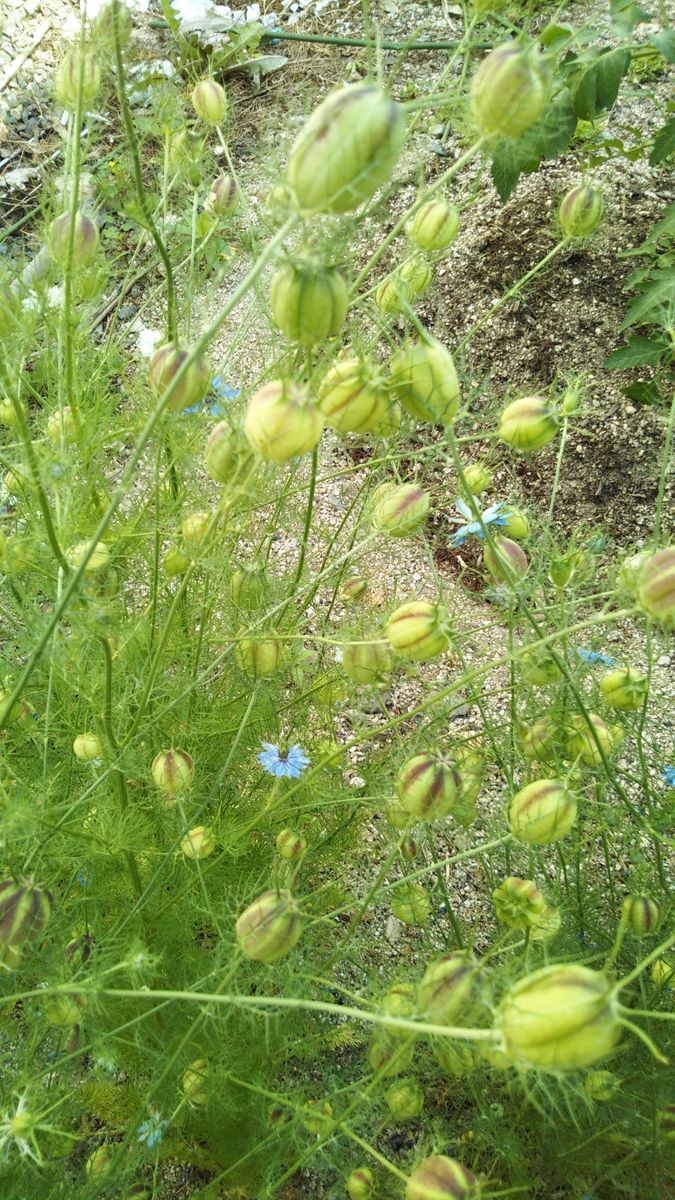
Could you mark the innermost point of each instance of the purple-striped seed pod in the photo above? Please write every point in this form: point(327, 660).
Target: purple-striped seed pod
point(173, 772)
point(529, 423)
point(424, 378)
point(223, 453)
point(640, 914)
point(542, 812)
point(402, 511)
point(353, 589)
point(434, 226)
point(73, 67)
point(505, 559)
point(429, 785)
point(223, 197)
point(291, 844)
point(309, 302)
point(540, 739)
point(581, 211)
point(282, 421)
point(25, 912)
point(448, 986)
point(367, 663)
point(270, 927)
point(209, 101)
point(360, 1184)
point(352, 397)
point(85, 240)
point(441, 1178)
point(656, 593)
point(419, 630)
point(194, 385)
point(582, 743)
point(417, 274)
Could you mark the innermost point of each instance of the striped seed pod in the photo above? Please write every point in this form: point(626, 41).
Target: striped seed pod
point(542, 812)
point(87, 747)
point(624, 689)
point(259, 656)
point(528, 424)
point(270, 927)
point(402, 511)
point(249, 587)
point(309, 303)
point(581, 211)
point(442, 1178)
point(209, 101)
point(656, 594)
point(194, 385)
point(539, 740)
point(417, 274)
point(223, 198)
point(173, 772)
point(448, 986)
point(434, 226)
point(223, 453)
point(429, 785)
point(352, 398)
point(509, 91)
point(505, 559)
point(419, 631)
point(25, 912)
point(282, 421)
point(516, 524)
point(360, 1184)
point(477, 478)
point(85, 240)
point(583, 744)
point(388, 1054)
point(194, 1083)
point(198, 842)
point(405, 1099)
point(411, 904)
point(640, 914)
point(291, 844)
point(72, 68)
point(424, 378)
point(367, 663)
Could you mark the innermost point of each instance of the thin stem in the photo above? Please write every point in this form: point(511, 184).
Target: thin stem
point(513, 291)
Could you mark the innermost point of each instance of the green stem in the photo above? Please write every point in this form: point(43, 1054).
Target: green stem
point(513, 291)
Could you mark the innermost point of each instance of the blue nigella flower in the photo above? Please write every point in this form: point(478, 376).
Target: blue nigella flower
point(669, 776)
point(288, 764)
point(151, 1131)
point(84, 879)
point(495, 515)
point(214, 403)
point(594, 656)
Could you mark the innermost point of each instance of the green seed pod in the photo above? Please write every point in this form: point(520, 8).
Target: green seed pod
point(434, 226)
point(662, 973)
point(360, 1184)
point(409, 848)
point(397, 817)
point(173, 772)
point(540, 668)
point(25, 912)
point(640, 914)
point(509, 91)
point(402, 511)
point(442, 1178)
point(448, 986)
point(529, 423)
point(194, 385)
point(424, 378)
point(405, 1099)
point(291, 844)
point(417, 274)
point(581, 211)
point(186, 156)
point(400, 1000)
point(547, 925)
point(282, 421)
point(518, 903)
point(102, 29)
point(85, 241)
point(352, 397)
point(9, 713)
point(209, 101)
point(222, 455)
point(259, 656)
point(561, 570)
point(582, 744)
point(249, 587)
point(346, 150)
point(539, 740)
point(624, 689)
point(389, 1054)
point(543, 812)
point(570, 401)
point(309, 302)
point(367, 662)
point(223, 198)
point(477, 478)
point(198, 842)
point(393, 295)
point(194, 529)
point(61, 424)
point(98, 561)
point(560, 1018)
point(516, 524)
point(429, 785)
point(176, 562)
point(505, 559)
point(194, 1083)
point(411, 904)
point(630, 571)
point(65, 1011)
point(601, 1085)
point(656, 594)
point(419, 631)
point(320, 1118)
point(455, 1058)
point(87, 747)
point(67, 79)
point(98, 1163)
point(270, 927)
point(353, 589)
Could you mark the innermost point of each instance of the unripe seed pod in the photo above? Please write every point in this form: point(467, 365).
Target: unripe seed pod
point(477, 478)
point(581, 211)
point(640, 914)
point(518, 903)
point(209, 101)
point(173, 772)
point(67, 79)
point(176, 562)
point(98, 1162)
point(547, 925)
point(102, 33)
point(601, 1085)
point(560, 1018)
point(87, 747)
point(9, 713)
point(540, 668)
point(630, 571)
point(198, 842)
point(509, 91)
point(12, 316)
point(419, 631)
point(360, 1184)
point(417, 274)
point(411, 904)
point(393, 295)
point(405, 1099)
point(582, 744)
point(429, 785)
point(434, 226)
point(98, 560)
point(397, 817)
point(409, 848)
point(402, 511)
point(442, 1178)
point(353, 589)
point(388, 1054)
point(56, 425)
point(656, 593)
point(662, 973)
point(528, 424)
point(282, 421)
point(570, 401)
point(624, 689)
point(309, 303)
point(222, 455)
point(400, 1000)
point(561, 570)
point(320, 1118)
point(25, 912)
point(352, 398)
point(249, 587)
point(505, 559)
point(516, 524)
point(85, 240)
point(186, 155)
point(665, 1120)
point(367, 663)
point(543, 812)
point(346, 150)
point(539, 740)
point(291, 844)
point(223, 197)
point(194, 528)
point(193, 387)
point(194, 1083)
point(447, 987)
point(270, 927)
point(424, 378)
point(259, 656)
point(454, 1058)
point(64, 1010)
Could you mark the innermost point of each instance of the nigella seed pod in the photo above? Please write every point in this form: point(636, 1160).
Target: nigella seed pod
point(399, 1000)
point(98, 1162)
point(85, 241)
point(505, 559)
point(417, 274)
point(518, 903)
point(570, 401)
point(630, 571)
point(388, 1054)
point(360, 1184)
point(282, 421)
point(402, 511)
point(539, 740)
point(601, 1085)
point(516, 524)
point(477, 478)
point(662, 973)
point(509, 91)
point(198, 842)
point(87, 747)
point(291, 844)
point(352, 397)
point(393, 295)
point(353, 589)
point(448, 986)
point(12, 316)
point(540, 668)
point(528, 424)
point(309, 303)
point(581, 211)
point(25, 912)
point(79, 948)
point(560, 1018)
point(346, 149)
point(405, 1099)
point(656, 594)
point(419, 631)
point(429, 785)
point(259, 656)
point(223, 198)
point(61, 424)
point(176, 562)
point(102, 29)
point(442, 1178)
point(194, 1083)
point(320, 1117)
point(455, 1058)
point(589, 740)
point(624, 689)
point(186, 154)
point(367, 663)
point(411, 904)
point(424, 378)
point(193, 385)
point(547, 925)
point(249, 587)
point(209, 101)
point(98, 560)
point(409, 848)
point(640, 914)
point(194, 528)
point(397, 817)
point(270, 927)
point(73, 67)
point(173, 772)
point(434, 226)
point(222, 455)
point(543, 812)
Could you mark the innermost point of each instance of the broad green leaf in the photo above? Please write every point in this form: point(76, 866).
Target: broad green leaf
point(665, 44)
point(664, 144)
point(656, 298)
point(597, 87)
point(643, 392)
point(625, 15)
point(550, 136)
point(555, 35)
point(638, 352)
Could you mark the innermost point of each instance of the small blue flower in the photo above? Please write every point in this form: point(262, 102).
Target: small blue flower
point(594, 656)
point(83, 879)
point(288, 764)
point(495, 515)
point(151, 1131)
point(669, 776)
point(214, 403)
